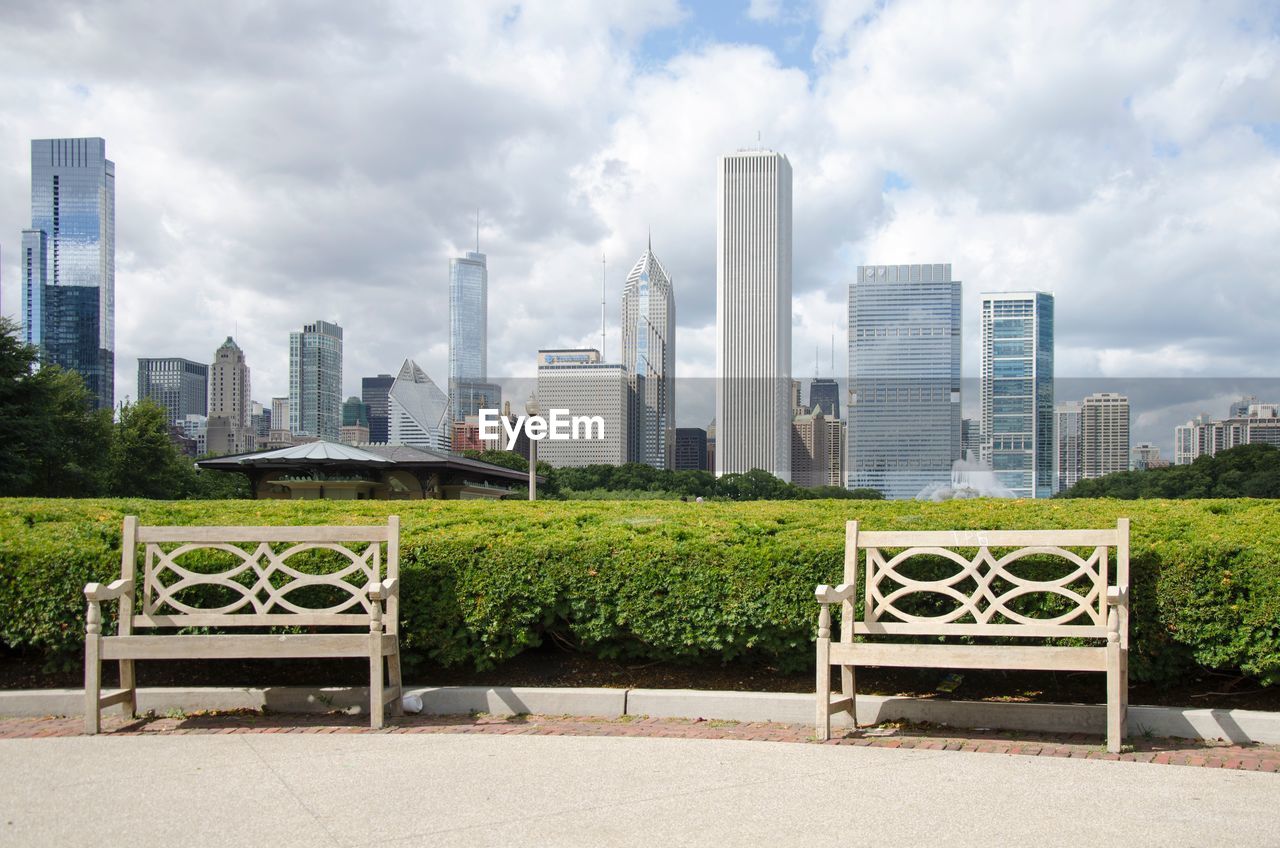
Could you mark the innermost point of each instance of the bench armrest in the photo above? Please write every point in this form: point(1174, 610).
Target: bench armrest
point(384, 590)
point(1117, 596)
point(826, 595)
point(112, 591)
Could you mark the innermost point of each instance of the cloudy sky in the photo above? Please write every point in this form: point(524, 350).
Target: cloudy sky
point(282, 162)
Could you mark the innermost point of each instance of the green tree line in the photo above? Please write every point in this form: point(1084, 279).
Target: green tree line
point(53, 443)
point(1248, 471)
point(636, 481)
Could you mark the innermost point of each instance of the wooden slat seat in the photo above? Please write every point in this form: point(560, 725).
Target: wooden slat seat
point(258, 588)
point(984, 590)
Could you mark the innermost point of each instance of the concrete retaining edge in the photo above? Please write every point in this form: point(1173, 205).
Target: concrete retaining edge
point(1239, 726)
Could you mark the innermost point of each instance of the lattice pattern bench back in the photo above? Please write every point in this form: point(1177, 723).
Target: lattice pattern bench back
point(984, 585)
point(254, 579)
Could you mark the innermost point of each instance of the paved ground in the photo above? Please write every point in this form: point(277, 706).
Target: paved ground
point(281, 781)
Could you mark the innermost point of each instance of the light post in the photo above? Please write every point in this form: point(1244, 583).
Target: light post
point(531, 406)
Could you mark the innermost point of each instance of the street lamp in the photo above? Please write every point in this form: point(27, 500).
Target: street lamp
point(531, 406)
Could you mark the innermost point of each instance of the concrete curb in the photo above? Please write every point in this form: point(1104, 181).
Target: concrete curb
point(1238, 726)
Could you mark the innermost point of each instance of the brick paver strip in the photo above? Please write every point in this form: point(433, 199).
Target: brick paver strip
point(1184, 752)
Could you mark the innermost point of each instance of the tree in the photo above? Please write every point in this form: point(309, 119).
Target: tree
point(145, 463)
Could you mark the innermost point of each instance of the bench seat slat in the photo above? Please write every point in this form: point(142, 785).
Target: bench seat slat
point(263, 534)
point(243, 646)
point(985, 538)
point(269, 619)
point(1048, 631)
point(1044, 658)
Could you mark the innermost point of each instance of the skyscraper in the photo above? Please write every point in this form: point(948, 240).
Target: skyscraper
point(753, 313)
point(418, 410)
point(810, 453)
point(1017, 390)
point(825, 392)
point(649, 355)
point(1066, 452)
point(578, 381)
point(691, 449)
point(179, 385)
point(373, 392)
point(315, 381)
point(469, 336)
point(904, 378)
point(69, 261)
point(1104, 434)
point(230, 408)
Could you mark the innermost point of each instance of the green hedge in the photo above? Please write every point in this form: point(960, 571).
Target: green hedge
point(674, 581)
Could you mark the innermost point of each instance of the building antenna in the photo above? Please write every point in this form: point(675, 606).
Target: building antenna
point(603, 278)
point(816, 373)
point(833, 355)
point(477, 229)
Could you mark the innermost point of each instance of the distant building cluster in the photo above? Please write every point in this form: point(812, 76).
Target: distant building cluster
point(896, 428)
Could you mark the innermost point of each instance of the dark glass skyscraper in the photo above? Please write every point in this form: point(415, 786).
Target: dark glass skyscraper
point(373, 392)
point(179, 385)
point(69, 261)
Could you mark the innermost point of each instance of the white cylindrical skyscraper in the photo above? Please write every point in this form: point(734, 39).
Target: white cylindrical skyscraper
point(753, 313)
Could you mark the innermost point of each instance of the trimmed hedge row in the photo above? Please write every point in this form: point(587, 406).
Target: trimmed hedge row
point(483, 581)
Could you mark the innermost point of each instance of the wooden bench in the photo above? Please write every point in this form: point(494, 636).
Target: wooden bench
point(984, 592)
point(252, 585)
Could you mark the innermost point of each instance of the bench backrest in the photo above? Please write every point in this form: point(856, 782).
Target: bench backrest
point(257, 581)
point(984, 584)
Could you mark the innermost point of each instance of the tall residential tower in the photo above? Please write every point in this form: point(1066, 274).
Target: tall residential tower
point(649, 355)
point(1017, 390)
point(69, 261)
point(315, 381)
point(753, 313)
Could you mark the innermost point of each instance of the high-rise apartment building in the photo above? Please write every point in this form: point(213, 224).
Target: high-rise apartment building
point(1017, 390)
point(1146, 456)
point(1104, 434)
point(260, 419)
point(1067, 459)
point(373, 391)
point(836, 451)
point(69, 261)
point(468, 329)
point(179, 385)
point(649, 355)
point(825, 392)
point(315, 381)
point(579, 383)
point(355, 422)
point(230, 408)
point(903, 417)
point(418, 410)
point(1248, 423)
point(810, 455)
point(972, 444)
point(753, 313)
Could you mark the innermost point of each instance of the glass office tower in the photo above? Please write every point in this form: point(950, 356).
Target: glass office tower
point(69, 261)
point(1017, 390)
point(649, 354)
point(469, 335)
point(904, 378)
point(179, 385)
point(315, 381)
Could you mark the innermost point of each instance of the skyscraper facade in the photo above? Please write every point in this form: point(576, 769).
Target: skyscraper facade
point(373, 391)
point(468, 325)
point(649, 355)
point(418, 410)
point(578, 381)
point(179, 385)
point(230, 428)
point(1104, 434)
point(825, 392)
point(1017, 390)
point(1067, 467)
point(903, 432)
point(315, 381)
point(810, 453)
point(691, 449)
point(753, 313)
point(69, 261)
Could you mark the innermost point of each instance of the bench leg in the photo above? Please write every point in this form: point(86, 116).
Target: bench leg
point(93, 669)
point(129, 683)
point(1115, 698)
point(849, 689)
point(375, 682)
point(393, 677)
point(822, 724)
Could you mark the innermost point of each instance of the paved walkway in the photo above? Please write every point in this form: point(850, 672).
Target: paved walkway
point(282, 781)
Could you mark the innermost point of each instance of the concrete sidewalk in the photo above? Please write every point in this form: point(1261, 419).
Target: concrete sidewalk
point(280, 790)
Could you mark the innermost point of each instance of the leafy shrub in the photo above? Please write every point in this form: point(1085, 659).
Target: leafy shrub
point(675, 581)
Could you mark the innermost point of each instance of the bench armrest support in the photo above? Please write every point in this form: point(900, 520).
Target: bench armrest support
point(112, 591)
point(1117, 596)
point(384, 590)
point(827, 595)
